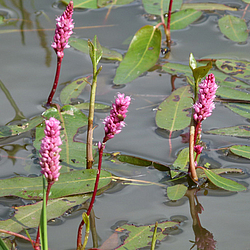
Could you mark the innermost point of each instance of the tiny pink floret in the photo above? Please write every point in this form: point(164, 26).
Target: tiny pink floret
point(205, 104)
point(49, 151)
point(115, 121)
point(64, 29)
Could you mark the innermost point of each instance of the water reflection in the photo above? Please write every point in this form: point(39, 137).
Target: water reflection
point(204, 240)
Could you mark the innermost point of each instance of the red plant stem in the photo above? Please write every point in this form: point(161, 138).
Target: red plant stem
point(37, 244)
point(191, 169)
point(58, 69)
point(79, 234)
point(168, 24)
point(197, 127)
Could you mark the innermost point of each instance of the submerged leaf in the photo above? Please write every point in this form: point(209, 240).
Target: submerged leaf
point(241, 150)
point(234, 28)
point(174, 112)
point(72, 183)
point(176, 192)
point(139, 237)
point(143, 53)
point(222, 182)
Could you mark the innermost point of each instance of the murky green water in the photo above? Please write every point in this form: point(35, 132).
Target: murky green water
point(27, 67)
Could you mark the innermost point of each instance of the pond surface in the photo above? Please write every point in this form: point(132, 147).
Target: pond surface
point(27, 68)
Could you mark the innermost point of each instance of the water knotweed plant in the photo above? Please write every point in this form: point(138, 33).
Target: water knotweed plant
point(63, 31)
point(113, 125)
point(49, 160)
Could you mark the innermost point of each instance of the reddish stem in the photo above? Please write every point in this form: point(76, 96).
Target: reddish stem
point(168, 23)
point(79, 234)
point(58, 69)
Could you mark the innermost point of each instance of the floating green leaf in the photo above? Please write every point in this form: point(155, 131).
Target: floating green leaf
point(222, 182)
point(177, 69)
point(142, 54)
point(181, 19)
point(230, 93)
point(176, 192)
point(237, 68)
point(10, 130)
point(139, 237)
point(134, 160)
point(73, 152)
point(85, 4)
point(239, 131)
point(82, 45)
point(242, 109)
point(234, 28)
point(206, 6)
point(98, 106)
point(217, 171)
point(174, 112)
point(72, 183)
point(29, 216)
point(241, 150)
point(180, 164)
point(160, 7)
point(103, 3)
point(73, 90)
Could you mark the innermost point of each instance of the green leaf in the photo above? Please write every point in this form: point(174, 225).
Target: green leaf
point(236, 68)
point(176, 192)
point(29, 216)
point(192, 62)
point(246, 1)
point(206, 6)
point(82, 45)
point(241, 150)
point(11, 130)
point(72, 183)
point(239, 131)
point(217, 171)
point(230, 93)
point(139, 237)
point(73, 152)
point(88, 4)
point(174, 112)
point(73, 90)
point(180, 164)
point(234, 28)
point(223, 183)
point(160, 7)
point(98, 106)
point(201, 71)
point(143, 53)
point(3, 246)
point(104, 3)
point(95, 50)
point(242, 109)
point(181, 19)
point(134, 160)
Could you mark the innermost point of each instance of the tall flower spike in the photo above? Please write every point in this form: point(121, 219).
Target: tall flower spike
point(49, 151)
point(115, 121)
point(63, 30)
point(205, 103)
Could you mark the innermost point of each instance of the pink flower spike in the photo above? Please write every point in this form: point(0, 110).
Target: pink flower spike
point(49, 151)
point(205, 104)
point(114, 122)
point(64, 29)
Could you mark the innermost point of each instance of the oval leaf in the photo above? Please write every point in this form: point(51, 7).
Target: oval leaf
point(73, 90)
point(85, 4)
point(223, 183)
point(240, 109)
point(181, 19)
point(239, 131)
point(206, 6)
point(234, 28)
point(241, 150)
point(174, 112)
point(231, 93)
point(72, 183)
point(143, 53)
point(176, 192)
point(160, 7)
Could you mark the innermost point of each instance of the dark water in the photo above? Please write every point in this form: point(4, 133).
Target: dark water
point(27, 67)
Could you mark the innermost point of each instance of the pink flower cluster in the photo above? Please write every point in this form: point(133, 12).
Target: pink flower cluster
point(205, 103)
point(49, 151)
point(63, 30)
point(114, 122)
